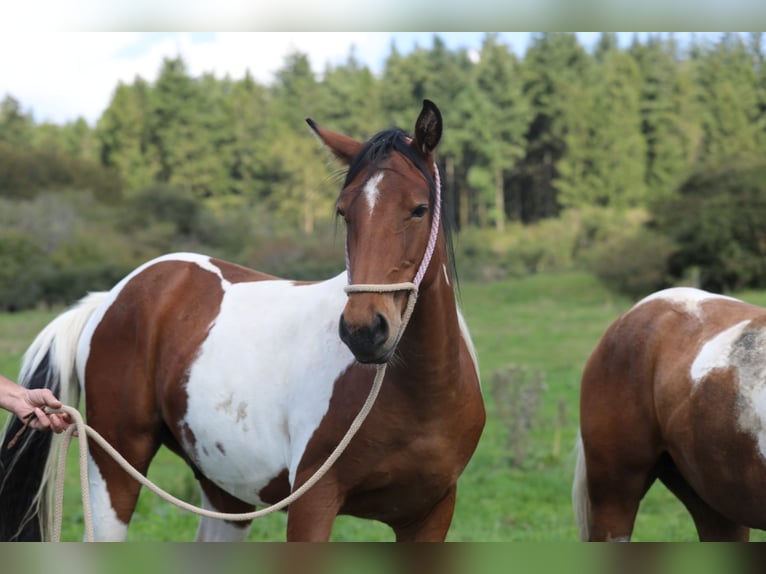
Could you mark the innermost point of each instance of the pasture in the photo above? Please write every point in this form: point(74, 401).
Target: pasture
point(545, 326)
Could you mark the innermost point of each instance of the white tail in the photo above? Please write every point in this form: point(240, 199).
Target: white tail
point(58, 342)
point(580, 498)
point(26, 471)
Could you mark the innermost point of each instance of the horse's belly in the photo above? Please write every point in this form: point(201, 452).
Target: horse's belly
point(262, 383)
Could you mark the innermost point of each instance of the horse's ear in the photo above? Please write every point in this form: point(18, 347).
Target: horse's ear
point(428, 129)
point(342, 147)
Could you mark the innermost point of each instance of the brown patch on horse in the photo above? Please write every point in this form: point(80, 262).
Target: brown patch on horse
point(277, 489)
point(222, 501)
point(123, 392)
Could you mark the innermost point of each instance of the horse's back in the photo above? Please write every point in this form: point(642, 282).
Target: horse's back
point(684, 372)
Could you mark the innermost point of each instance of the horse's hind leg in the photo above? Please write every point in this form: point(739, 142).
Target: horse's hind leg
point(113, 492)
point(711, 526)
point(614, 499)
point(619, 473)
point(215, 530)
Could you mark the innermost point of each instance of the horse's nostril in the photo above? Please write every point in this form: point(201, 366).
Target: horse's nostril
point(343, 329)
point(379, 330)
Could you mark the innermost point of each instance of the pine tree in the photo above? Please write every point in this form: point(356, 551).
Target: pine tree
point(15, 125)
point(606, 168)
point(123, 136)
point(185, 115)
point(670, 114)
point(554, 68)
point(730, 100)
point(507, 119)
point(248, 106)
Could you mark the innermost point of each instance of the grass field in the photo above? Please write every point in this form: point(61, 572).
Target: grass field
point(545, 324)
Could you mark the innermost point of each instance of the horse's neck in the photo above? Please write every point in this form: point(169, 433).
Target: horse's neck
point(431, 343)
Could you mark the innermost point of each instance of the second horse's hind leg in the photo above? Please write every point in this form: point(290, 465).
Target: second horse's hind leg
point(619, 473)
point(711, 526)
point(614, 499)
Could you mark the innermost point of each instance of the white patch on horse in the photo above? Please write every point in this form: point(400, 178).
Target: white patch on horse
point(748, 356)
point(263, 379)
point(207, 265)
point(371, 191)
point(715, 354)
point(107, 527)
point(446, 275)
point(466, 335)
point(687, 297)
point(744, 351)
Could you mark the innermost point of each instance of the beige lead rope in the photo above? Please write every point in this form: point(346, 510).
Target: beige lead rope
point(84, 432)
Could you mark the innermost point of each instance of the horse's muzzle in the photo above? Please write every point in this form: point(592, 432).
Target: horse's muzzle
point(367, 342)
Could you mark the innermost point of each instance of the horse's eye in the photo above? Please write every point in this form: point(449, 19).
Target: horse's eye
point(420, 211)
point(340, 213)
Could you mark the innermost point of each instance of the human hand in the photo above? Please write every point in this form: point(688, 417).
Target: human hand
point(32, 410)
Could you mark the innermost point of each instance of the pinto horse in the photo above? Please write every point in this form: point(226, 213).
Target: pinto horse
point(675, 390)
point(253, 380)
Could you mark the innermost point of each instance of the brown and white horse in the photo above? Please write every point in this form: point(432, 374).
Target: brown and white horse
point(675, 390)
point(253, 380)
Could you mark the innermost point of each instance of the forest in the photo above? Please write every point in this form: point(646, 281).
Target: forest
point(642, 164)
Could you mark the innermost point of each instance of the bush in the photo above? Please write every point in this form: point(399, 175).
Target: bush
point(717, 219)
point(23, 266)
point(547, 245)
point(25, 172)
point(633, 263)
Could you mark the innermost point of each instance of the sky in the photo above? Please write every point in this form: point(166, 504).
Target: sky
point(59, 76)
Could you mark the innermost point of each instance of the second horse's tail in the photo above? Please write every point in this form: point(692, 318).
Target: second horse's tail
point(580, 497)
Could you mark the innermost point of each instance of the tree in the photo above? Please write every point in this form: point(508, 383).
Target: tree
point(730, 100)
point(403, 86)
point(716, 219)
point(606, 167)
point(350, 99)
point(123, 133)
point(670, 114)
point(554, 68)
point(15, 125)
point(247, 106)
point(185, 120)
point(507, 119)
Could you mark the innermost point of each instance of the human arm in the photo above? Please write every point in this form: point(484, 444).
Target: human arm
point(29, 404)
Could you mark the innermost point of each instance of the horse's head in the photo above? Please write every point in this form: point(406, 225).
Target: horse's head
point(389, 202)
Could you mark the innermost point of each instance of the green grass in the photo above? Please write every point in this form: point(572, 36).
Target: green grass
point(546, 323)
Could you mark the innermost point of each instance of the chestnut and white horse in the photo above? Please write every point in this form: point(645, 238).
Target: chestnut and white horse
point(253, 380)
point(676, 391)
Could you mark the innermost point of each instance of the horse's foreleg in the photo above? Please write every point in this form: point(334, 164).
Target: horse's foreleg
point(433, 526)
point(311, 517)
